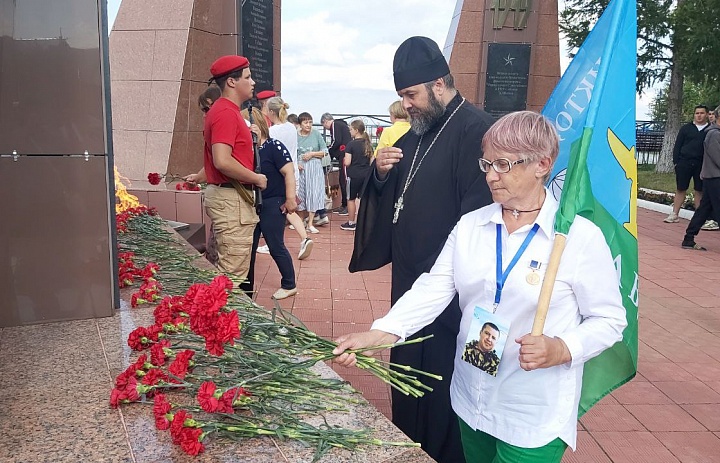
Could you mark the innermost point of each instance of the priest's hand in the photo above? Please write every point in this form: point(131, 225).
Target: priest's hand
point(386, 158)
point(358, 341)
point(542, 352)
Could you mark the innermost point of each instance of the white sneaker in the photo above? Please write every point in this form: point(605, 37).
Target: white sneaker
point(710, 225)
point(305, 249)
point(263, 249)
point(672, 218)
point(284, 293)
point(312, 229)
point(322, 221)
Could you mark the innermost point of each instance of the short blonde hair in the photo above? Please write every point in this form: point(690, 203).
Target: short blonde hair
point(526, 133)
point(397, 111)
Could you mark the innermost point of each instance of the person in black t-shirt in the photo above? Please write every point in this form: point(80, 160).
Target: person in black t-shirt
point(340, 138)
point(688, 159)
point(358, 154)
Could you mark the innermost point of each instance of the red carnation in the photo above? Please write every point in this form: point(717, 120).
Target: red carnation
point(115, 398)
point(136, 300)
point(179, 367)
point(190, 441)
point(137, 339)
point(178, 423)
point(141, 338)
point(214, 346)
point(157, 353)
point(154, 376)
point(229, 397)
point(206, 397)
point(168, 309)
point(179, 186)
point(154, 178)
point(378, 131)
point(150, 270)
point(128, 393)
point(131, 372)
point(161, 407)
point(228, 327)
point(163, 312)
point(222, 281)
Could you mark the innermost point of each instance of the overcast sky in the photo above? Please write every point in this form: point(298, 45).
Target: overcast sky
point(337, 56)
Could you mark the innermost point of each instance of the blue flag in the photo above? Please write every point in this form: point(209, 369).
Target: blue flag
point(593, 110)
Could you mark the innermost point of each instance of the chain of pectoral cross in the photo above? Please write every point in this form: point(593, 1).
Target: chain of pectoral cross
point(411, 174)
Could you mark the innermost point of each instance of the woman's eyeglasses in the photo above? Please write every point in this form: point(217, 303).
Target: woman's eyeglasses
point(500, 165)
point(205, 109)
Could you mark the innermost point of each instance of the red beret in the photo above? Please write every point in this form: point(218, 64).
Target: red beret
point(265, 94)
point(227, 64)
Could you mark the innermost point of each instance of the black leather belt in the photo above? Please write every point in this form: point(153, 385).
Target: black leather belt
point(230, 185)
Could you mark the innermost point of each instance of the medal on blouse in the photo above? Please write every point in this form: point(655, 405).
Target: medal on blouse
point(533, 277)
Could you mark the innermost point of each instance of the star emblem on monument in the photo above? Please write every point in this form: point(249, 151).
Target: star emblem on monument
point(509, 60)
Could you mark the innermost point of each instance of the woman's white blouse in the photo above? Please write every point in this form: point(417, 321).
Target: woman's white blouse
point(525, 409)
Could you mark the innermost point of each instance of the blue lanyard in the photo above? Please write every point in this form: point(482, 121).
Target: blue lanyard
point(501, 276)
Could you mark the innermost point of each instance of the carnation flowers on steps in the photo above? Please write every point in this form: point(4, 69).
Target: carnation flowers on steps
point(216, 366)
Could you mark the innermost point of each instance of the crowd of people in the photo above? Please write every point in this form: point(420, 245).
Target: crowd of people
point(294, 162)
point(448, 196)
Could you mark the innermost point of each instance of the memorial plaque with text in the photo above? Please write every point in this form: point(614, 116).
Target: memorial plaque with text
point(257, 39)
point(506, 80)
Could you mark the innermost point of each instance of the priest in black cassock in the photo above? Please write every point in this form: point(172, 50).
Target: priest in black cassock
point(413, 198)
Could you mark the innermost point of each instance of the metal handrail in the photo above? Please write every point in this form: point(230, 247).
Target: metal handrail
point(371, 121)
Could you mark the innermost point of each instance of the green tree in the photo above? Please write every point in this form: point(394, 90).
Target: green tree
point(707, 93)
point(675, 39)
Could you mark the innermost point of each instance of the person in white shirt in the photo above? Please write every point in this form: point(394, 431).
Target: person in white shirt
point(527, 412)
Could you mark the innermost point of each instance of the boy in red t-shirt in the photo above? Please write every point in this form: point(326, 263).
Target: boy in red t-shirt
point(228, 159)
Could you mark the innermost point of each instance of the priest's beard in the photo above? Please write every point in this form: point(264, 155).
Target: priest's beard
point(422, 120)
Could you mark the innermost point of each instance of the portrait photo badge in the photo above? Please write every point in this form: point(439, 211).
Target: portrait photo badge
point(485, 341)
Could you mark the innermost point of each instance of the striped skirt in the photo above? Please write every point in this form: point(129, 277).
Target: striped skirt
point(311, 186)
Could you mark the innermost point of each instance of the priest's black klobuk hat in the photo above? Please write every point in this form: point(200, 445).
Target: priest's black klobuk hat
point(418, 60)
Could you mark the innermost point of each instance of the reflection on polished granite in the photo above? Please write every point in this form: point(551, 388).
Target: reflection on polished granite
point(55, 382)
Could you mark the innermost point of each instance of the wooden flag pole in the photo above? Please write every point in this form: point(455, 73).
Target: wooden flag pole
point(548, 284)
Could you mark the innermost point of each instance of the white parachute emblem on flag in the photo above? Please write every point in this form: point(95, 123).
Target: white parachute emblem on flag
point(556, 184)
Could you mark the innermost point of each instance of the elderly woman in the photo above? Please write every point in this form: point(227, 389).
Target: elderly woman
point(311, 149)
point(516, 395)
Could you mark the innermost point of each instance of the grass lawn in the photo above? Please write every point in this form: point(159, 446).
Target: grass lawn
point(648, 178)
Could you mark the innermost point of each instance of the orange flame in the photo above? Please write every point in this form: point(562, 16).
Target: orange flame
point(123, 199)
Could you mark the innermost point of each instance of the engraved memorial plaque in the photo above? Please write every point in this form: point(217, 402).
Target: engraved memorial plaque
point(506, 79)
point(257, 39)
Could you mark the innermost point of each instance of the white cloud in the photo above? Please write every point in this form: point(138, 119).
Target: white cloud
point(339, 59)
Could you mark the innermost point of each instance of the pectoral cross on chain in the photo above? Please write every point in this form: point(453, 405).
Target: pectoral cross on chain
point(398, 208)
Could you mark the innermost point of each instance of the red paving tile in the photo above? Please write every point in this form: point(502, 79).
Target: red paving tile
point(707, 414)
point(688, 392)
point(692, 447)
point(587, 451)
point(610, 418)
point(640, 392)
point(664, 417)
point(662, 371)
point(669, 413)
point(633, 447)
